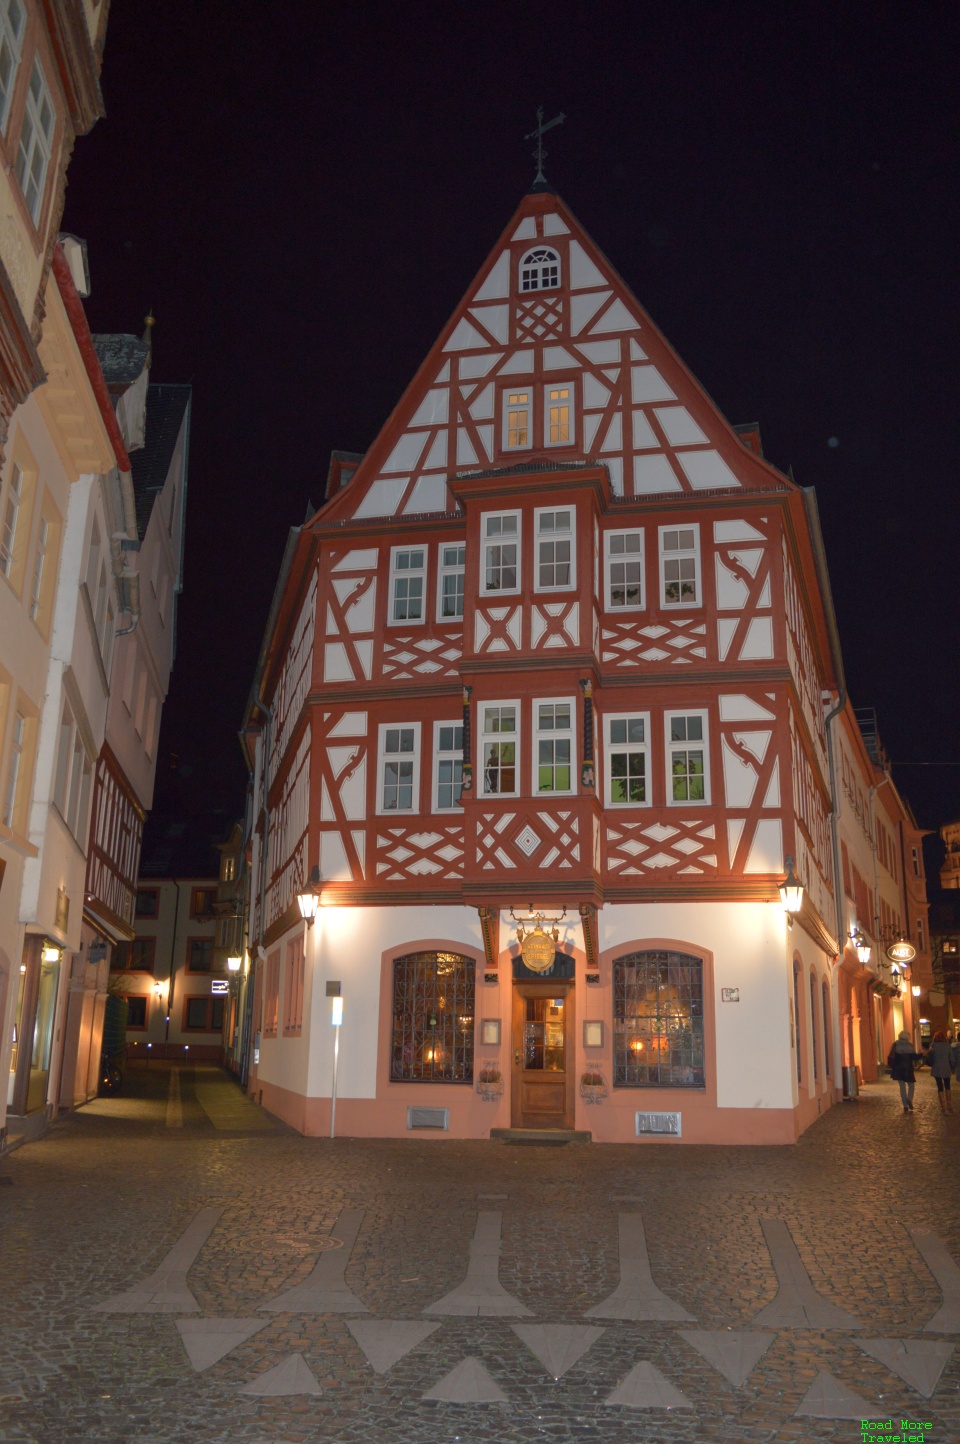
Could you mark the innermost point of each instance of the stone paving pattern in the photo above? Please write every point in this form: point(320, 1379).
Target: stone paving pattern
point(96, 1207)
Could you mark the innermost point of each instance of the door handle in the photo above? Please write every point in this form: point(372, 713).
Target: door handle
point(516, 1057)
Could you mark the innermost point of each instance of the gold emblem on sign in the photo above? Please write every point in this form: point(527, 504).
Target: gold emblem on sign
point(538, 948)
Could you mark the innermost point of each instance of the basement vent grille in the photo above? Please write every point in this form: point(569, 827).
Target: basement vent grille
point(428, 1118)
point(658, 1123)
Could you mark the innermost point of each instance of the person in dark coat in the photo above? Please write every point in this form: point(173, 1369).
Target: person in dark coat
point(941, 1058)
point(901, 1061)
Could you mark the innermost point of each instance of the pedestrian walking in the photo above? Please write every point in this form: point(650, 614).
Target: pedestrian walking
point(942, 1058)
point(901, 1061)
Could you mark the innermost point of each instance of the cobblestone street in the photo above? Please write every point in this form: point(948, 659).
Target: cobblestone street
point(172, 1252)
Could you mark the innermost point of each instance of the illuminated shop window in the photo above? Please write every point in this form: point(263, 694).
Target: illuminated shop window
point(658, 1021)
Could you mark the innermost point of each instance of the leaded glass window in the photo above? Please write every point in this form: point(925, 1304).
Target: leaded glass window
point(658, 1021)
point(433, 1013)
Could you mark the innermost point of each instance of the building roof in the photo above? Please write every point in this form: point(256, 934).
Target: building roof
point(122, 358)
point(166, 406)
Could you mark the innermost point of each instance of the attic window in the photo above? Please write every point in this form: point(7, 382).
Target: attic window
point(540, 271)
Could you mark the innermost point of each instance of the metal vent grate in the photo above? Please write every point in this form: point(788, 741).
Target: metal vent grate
point(668, 1123)
point(428, 1118)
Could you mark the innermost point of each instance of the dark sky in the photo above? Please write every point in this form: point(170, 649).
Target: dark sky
point(303, 192)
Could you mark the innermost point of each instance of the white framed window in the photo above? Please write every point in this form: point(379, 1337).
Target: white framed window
point(540, 270)
point(517, 420)
point(558, 415)
point(408, 581)
point(624, 571)
point(921, 936)
point(555, 550)
point(680, 566)
point(398, 788)
point(11, 520)
point(447, 765)
point(499, 743)
point(39, 561)
point(688, 770)
point(36, 141)
point(627, 768)
point(500, 562)
point(553, 724)
point(13, 769)
point(74, 777)
point(13, 18)
point(452, 562)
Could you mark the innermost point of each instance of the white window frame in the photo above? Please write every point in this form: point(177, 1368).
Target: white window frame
point(39, 563)
point(540, 538)
point(511, 407)
point(681, 553)
point(699, 744)
point(12, 44)
point(448, 754)
point(35, 140)
point(486, 737)
point(571, 388)
point(546, 734)
point(398, 574)
point(448, 569)
point(631, 748)
point(382, 758)
point(11, 788)
point(612, 559)
point(12, 506)
point(487, 542)
point(536, 261)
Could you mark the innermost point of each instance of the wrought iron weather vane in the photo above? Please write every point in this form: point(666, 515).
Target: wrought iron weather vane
point(539, 154)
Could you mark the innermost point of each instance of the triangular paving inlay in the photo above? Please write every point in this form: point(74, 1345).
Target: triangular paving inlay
point(646, 1388)
point(208, 1340)
point(733, 1352)
point(918, 1362)
point(557, 1346)
point(293, 1376)
point(827, 1398)
point(386, 1341)
point(467, 1383)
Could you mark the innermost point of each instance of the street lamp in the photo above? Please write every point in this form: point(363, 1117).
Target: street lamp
point(309, 900)
point(791, 893)
point(234, 964)
point(859, 941)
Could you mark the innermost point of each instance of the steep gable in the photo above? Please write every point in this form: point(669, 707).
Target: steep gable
point(549, 359)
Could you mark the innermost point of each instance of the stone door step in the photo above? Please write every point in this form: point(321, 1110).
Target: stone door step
point(555, 1137)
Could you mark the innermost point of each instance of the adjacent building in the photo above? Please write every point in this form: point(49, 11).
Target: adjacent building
point(545, 718)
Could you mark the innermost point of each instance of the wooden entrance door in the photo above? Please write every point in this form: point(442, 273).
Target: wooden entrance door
point(543, 1056)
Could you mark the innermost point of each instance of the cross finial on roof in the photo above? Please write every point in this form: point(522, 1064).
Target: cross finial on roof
point(148, 324)
point(540, 180)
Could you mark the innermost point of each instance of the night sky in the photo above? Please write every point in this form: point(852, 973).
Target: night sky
point(303, 192)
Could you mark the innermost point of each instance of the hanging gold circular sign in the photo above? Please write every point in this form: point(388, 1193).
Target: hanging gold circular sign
point(901, 952)
point(538, 950)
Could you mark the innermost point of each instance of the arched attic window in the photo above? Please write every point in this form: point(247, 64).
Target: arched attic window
point(540, 270)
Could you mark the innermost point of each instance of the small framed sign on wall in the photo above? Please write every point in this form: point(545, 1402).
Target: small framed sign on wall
point(490, 1032)
point(593, 1034)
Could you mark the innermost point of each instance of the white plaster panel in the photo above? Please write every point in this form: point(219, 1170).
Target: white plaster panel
point(707, 470)
point(736, 531)
point(336, 666)
point(583, 273)
point(735, 826)
point(755, 742)
point(466, 456)
point(758, 643)
point(613, 441)
point(637, 352)
point(731, 591)
point(437, 455)
point(737, 707)
point(465, 338)
point(554, 226)
point(434, 407)
point(739, 779)
point(766, 850)
point(556, 358)
point(333, 858)
point(520, 361)
point(473, 366)
point(495, 319)
point(614, 465)
point(601, 353)
point(332, 629)
point(359, 616)
point(648, 385)
point(351, 724)
point(643, 433)
point(726, 627)
point(482, 405)
point(583, 308)
point(429, 494)
point(364, 650)
point(360, 561)
point(526, 230)
point(594, 392)
point(485, 434)
point(497, 284)
point(771, 797)
point(749, 558)
point(383, 497)
point(407, 452)
point(616, 318)
point(590, 424)
point(679, 426)
point(353, 793)
point(654, 474)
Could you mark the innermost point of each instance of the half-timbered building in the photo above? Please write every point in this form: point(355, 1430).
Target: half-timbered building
point(541, 711)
